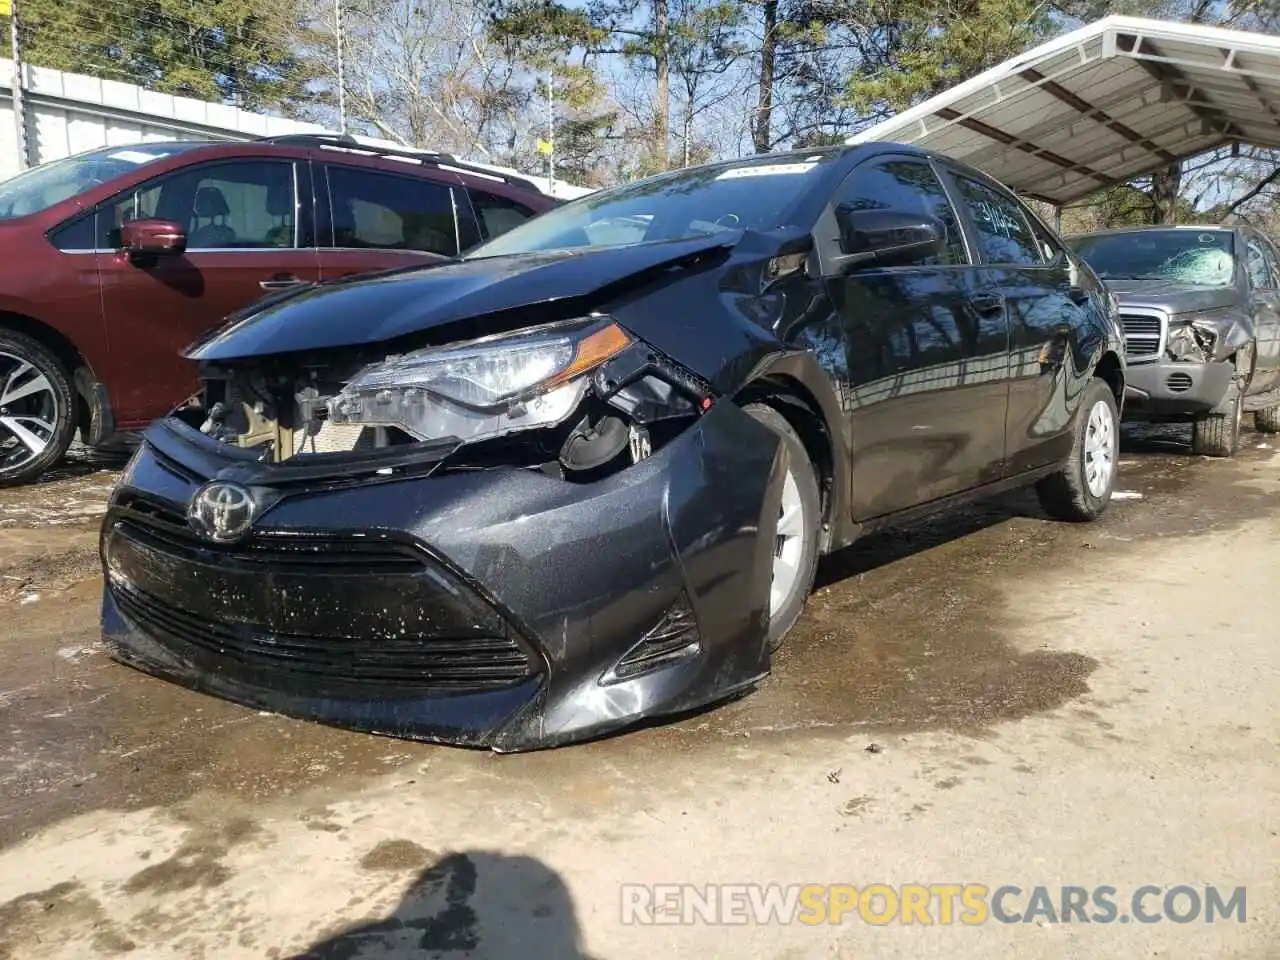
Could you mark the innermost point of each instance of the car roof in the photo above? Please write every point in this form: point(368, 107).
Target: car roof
point(295, 144)
point(1153, 228)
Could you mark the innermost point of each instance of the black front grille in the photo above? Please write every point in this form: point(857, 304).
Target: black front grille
point(1143, 335)
point(309, 615)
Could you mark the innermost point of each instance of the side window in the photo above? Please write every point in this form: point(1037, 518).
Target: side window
point(77, 234)
point(1050, 246)
point(226, 206)
point(498, 214)
point(380, 210)
point(1262, 266)
point(909, 186)
point(1003, 231)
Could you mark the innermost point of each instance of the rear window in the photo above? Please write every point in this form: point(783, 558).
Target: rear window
point(50, 183)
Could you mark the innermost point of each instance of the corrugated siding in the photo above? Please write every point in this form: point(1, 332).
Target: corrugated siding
point(68, 113)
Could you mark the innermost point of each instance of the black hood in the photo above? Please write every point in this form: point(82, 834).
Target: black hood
point(385, 306)
point(1172, 295)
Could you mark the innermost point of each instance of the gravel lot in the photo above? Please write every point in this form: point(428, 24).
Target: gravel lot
point(1048, 704)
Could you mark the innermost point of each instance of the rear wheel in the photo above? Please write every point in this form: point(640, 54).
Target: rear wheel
point(1267, 420)
point(1081, 489)
point(795, 552)
point(37, 409)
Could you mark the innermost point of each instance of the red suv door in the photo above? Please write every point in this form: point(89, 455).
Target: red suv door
point(372, 219)
point(247, 234)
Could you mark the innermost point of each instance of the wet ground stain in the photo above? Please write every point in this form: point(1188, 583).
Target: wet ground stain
point(907, 631)
point(397, 855)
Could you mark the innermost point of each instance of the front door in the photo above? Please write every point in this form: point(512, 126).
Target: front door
point(927, 357)
point(1264, 307)
point(242, 242)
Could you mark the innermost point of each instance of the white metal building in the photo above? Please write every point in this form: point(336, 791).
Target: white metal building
point(69, 112)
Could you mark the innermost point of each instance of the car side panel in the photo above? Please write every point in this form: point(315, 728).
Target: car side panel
point(1263, 304)
point(926, 380)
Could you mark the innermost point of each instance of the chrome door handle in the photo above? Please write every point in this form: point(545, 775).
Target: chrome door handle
point(987, 302)
point(279, 283)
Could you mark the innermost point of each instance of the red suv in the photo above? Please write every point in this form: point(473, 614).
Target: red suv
point(113, 261)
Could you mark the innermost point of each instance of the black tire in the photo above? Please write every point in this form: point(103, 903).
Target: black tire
point(1065, 494)
point(788, 612)
point(1267, 420)
point(56, 406)
point(1217, 434)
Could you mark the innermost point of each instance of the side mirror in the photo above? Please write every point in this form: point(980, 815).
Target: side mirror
point(887, 238)
point(153, 237)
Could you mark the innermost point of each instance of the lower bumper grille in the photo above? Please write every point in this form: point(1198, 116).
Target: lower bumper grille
point(333, 617)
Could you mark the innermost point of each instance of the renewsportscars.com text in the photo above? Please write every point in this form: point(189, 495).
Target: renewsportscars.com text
point(968, 904)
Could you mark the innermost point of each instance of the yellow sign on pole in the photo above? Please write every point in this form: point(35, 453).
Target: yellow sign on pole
point(544, 146)
point(6, 8)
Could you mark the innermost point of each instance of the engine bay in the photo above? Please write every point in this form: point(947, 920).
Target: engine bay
point(622, 411)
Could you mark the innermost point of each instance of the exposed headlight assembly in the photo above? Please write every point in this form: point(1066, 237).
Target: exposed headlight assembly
point(1192, 340)
point(482, 388)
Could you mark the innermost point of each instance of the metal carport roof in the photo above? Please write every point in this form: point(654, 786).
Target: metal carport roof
point(1103, 104)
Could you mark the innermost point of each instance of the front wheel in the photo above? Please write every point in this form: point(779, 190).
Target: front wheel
point(795, 551)
point(37, 409)
point(1081, 489)
point(1218, 434)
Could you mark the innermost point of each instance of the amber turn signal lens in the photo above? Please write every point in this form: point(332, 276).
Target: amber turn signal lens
point(593, 350)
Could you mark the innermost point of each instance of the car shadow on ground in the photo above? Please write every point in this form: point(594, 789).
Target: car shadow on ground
point(474, 903)
point(81, 462)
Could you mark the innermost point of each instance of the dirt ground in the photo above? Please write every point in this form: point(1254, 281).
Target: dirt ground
point(989, 698)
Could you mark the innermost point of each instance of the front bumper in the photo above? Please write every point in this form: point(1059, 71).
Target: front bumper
point(500, 608)
point(1172, 390)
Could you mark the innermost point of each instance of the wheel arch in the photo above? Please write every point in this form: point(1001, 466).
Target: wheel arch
point(1110, 368)
point(61, 347)
point(797, 388)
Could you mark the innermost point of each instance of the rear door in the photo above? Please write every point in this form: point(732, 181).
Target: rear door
point(1025, 267)
point(372, 219)
point(926, 357)
point(1264, 307)
point(247, 233)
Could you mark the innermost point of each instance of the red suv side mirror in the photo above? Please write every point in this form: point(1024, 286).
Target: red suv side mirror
point(153, 236)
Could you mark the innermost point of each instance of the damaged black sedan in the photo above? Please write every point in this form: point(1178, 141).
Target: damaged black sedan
point(583, 475)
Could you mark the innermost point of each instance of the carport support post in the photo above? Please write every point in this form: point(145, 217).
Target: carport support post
point(1057, 218)
point(19, 106)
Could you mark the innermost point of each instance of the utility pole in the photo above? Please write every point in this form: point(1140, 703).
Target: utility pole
point(342, 86)
point(19, 104)
point(551, 132)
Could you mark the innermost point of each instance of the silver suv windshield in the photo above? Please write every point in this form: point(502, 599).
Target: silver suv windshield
point(41, 187)
point(1203, 257)
point(749, 195)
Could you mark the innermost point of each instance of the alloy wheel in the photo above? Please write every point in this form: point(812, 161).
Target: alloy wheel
point(1099, 449)
point(788, 549)
point(29, 412)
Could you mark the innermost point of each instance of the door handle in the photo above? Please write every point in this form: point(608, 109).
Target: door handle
point(279, 282)
point(985, 303)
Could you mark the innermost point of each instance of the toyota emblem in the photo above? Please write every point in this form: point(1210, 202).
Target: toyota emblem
point(222, 512)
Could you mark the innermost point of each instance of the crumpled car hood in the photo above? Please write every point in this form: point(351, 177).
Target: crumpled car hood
point(1172, 295)
point(381, 307)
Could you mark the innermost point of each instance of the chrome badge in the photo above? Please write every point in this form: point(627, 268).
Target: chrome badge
point(221, 511)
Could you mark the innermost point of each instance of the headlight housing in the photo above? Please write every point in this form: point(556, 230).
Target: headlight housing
point(482, 388)
point(1191, 340)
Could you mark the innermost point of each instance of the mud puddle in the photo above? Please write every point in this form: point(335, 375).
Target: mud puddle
point(906, 631)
